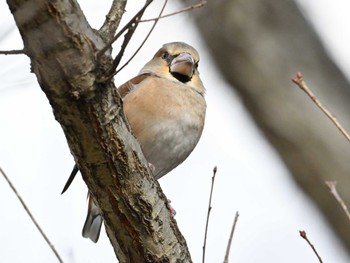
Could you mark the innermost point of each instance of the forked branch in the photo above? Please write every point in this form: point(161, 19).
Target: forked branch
point(332, 187)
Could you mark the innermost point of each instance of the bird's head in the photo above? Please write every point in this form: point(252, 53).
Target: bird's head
point(176, 61)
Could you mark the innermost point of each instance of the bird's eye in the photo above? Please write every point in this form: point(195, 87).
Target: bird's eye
point(197, 64)
point(165, 55)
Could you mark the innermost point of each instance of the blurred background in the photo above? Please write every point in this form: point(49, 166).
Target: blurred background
point(273, 148)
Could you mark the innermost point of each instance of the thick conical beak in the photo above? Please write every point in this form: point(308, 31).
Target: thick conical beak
point(183, 64)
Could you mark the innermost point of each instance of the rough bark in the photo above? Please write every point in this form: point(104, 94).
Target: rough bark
point(258, 47)
point(62, 48)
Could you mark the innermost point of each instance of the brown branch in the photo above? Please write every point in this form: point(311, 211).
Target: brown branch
point(144, 41)
point(131, 24)
point(303, 235)
point(208, 214)
point(31, 216)
point(127, 38)
point(230, 239)
point(332, 187)
point(186, 9)
point(112, 20)
point(299, 80)
point(110, 159)
point(12, 52)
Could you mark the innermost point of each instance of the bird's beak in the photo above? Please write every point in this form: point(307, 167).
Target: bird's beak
point(183, 64)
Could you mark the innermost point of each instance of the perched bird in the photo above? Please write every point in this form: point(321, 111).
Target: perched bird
point(166, 108)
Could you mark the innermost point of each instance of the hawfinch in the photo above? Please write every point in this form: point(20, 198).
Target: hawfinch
point(165, 107)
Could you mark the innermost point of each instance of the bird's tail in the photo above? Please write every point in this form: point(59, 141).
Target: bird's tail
point(71, 178)
point(93, 222)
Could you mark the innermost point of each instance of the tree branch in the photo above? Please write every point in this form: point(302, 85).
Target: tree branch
point(230, 238)
point(134, 209)
point(186, 9)
point(127, 37)
point(299, 80)
point(112, 20)
point(12, 52)
point(332, 187)
point(41, 231)
point(304, 236)
point(208, 214)
point(144, 41)
point(131, 24)
point(307, 144)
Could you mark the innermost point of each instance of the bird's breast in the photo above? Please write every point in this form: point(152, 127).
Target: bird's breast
point(167, 119)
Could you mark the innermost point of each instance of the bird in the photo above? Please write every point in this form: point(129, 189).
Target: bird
point(165, 106)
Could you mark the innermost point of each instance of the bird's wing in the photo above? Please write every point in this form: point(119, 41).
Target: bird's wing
point(131, 84)
point(124, 89)
point(71, 178)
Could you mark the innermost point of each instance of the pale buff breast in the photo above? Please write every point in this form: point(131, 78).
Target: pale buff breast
point(167, 118)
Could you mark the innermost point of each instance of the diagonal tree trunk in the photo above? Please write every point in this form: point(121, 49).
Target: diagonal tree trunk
point(259, 46)
point(62, 48)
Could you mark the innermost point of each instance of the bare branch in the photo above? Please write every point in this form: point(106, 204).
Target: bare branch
point(230, 239)
point(186, 9)
point(132, 24)
point(127, 38)
point(303, 235)
point(109, 157)
point(144, 41)
point(112, 20)
point(31, 216)
point(299, 80)
point(208, 215)
point(332, 187)
point(12, 52)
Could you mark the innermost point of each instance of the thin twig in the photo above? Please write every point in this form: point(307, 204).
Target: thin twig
point(135, 19)
point(12, 52)
point(144, 41)
point(299, 80)
point(332, 187)
point(230, 239)
point(208, 215)
point(186, 9)
point(31, 216)
point(112, 20)
point(127, 38)
point(303, 235)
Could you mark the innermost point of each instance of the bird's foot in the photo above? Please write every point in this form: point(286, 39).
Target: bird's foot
point(172, 210)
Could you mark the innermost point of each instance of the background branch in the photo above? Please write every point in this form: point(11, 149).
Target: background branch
point(256, 51)
point(230, 238)
point(42, 233)
point(186, 9)
point(332, 187)
point(304, 236)
point(299, 80)
point(208, 213)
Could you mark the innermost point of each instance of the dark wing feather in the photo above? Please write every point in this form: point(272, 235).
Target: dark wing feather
point(71, 178)
point(129, 86)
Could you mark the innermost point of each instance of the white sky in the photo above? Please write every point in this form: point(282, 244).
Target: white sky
point(250, 179)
